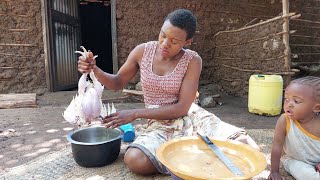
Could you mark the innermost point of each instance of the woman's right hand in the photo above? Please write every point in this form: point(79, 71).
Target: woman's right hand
point(119, 118)
point(85, 65)
point(275, 176)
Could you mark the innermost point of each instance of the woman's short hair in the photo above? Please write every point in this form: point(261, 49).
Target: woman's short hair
point(183, 19)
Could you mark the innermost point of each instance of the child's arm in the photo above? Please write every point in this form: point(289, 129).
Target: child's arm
point(277, 146)
point(318, 167)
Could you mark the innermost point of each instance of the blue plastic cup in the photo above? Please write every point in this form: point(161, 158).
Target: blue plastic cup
point(128, 132)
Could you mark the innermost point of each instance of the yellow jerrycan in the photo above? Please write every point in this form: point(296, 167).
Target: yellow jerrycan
point(265, 94)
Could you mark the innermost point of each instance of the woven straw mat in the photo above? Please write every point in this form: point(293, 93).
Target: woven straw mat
point(61, 165)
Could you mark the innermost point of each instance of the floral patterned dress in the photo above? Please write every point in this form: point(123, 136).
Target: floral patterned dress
point(164, 90)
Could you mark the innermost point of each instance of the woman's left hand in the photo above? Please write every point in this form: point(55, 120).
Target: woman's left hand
point(119, 118)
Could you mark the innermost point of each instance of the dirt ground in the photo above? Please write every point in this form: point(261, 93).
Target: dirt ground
point(27, 133)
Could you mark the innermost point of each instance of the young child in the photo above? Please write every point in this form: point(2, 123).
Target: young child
point(297, 133)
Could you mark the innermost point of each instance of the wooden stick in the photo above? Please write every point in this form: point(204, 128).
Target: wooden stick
point(306, 54)
point(313, 8)
point(19, 15)
point(239, 14)
point(311, 27)
point(114, 37)
point(305, 45)
point(26, 45)
point(289, 74)
point(13, 67)
point(239, 69)
point(18, 30)
point(285, 39)
point(253, 40)
point(295, 70)
point(245, 4)
point(18, 104)
point(251, 22)
point(283, 32)
point(132, 92)
point(296, 35)
point(311, 14)
point(5, 79)
point(260, 71)
point(7, 54)
point(227, 58)
point(292, 31)
point(258, 24)
point(308, 21)
point(230, 80)
point(310, 70)
point(7, 68)
point(295, 17)
point(268, 59)
point(299, 63)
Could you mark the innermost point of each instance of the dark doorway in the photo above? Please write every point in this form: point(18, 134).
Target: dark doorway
point(95, 18)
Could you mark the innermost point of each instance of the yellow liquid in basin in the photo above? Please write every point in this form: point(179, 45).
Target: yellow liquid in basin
point(191, 158)
point(201, 162)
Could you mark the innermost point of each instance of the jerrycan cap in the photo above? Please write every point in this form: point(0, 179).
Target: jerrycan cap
point(260, 77)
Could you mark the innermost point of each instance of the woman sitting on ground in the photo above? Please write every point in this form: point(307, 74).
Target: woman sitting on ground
point(169, 77)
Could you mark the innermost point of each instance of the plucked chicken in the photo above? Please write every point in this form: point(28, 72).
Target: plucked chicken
point(86, 106)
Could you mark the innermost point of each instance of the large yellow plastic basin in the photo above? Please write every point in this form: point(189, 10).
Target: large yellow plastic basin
point(191, 158)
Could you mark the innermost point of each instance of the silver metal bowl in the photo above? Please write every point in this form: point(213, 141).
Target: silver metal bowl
point(95, 146)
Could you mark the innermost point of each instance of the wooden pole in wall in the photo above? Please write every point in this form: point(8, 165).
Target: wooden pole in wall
point(285, 38)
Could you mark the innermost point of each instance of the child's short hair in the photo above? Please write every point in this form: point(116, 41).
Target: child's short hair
point(311, 81)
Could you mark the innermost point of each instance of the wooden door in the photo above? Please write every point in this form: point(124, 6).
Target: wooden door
point(64, 38)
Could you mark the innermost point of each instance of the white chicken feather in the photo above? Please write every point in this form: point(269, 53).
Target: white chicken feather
point(87, 105)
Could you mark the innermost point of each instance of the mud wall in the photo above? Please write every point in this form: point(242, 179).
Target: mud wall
point(256, 49)
point(305, 43)
point(22, 65)
point(139, 21)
